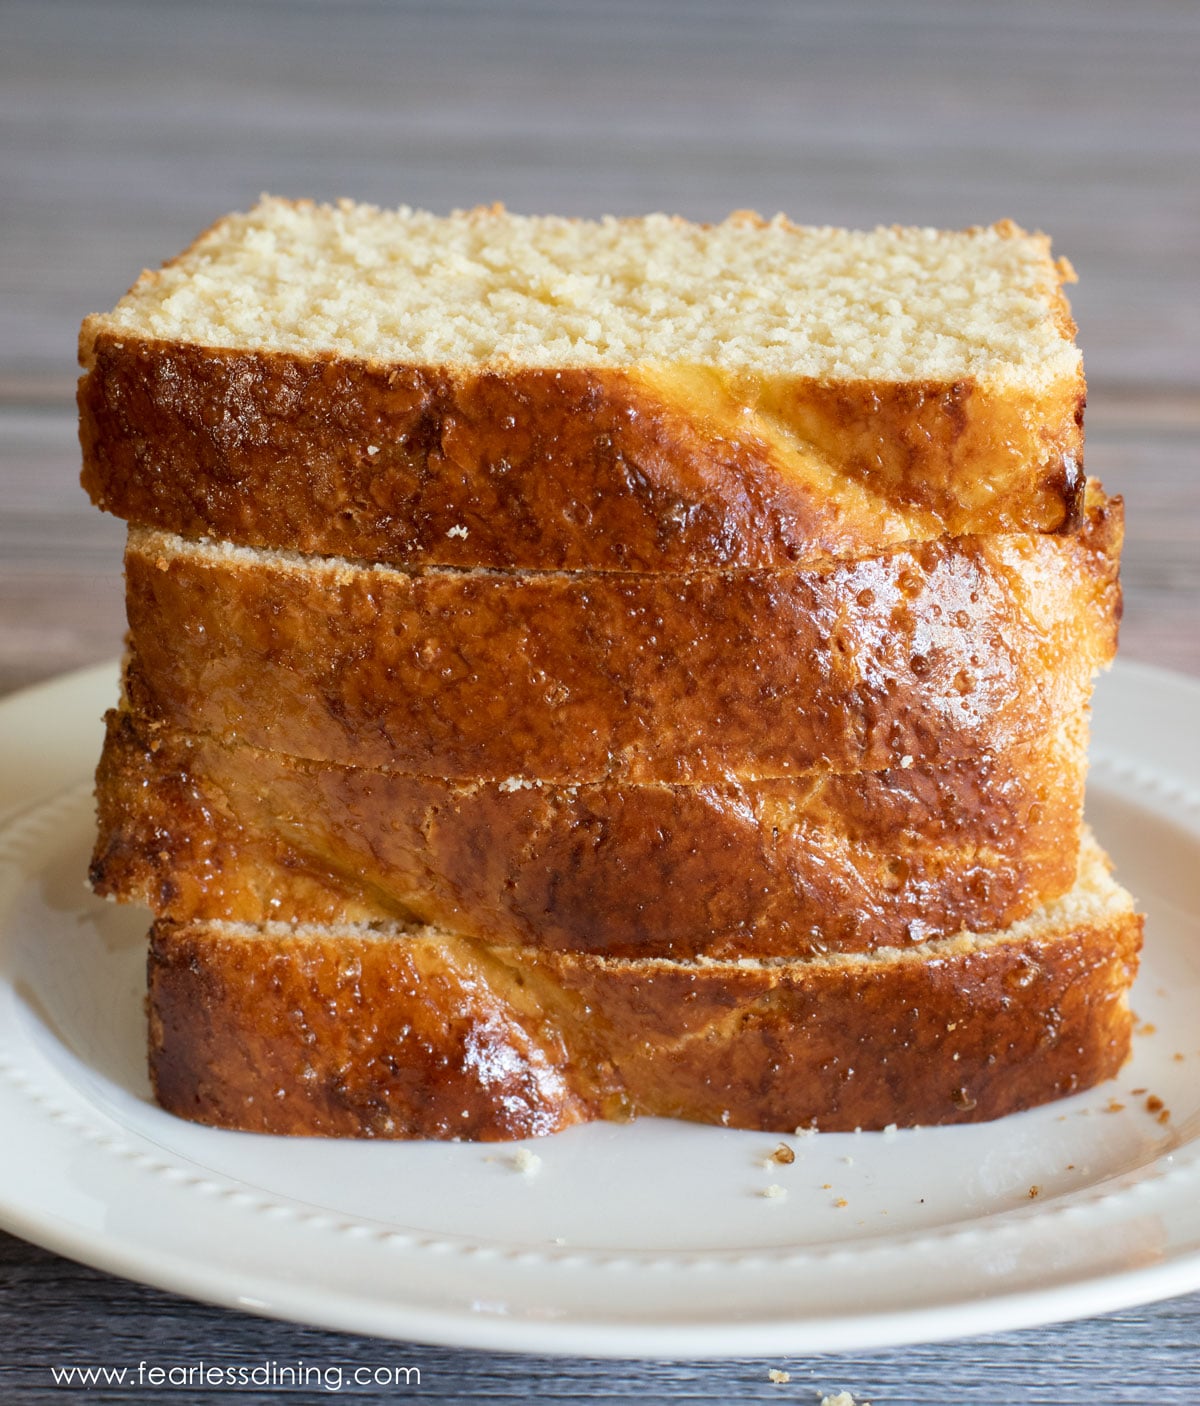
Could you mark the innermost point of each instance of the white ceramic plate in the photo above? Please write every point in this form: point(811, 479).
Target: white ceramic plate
point(651, 1239)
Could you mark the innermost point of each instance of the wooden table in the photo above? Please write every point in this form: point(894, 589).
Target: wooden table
point(130, 125)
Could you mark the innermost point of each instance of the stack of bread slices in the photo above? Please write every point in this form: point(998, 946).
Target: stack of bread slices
point(586, 669)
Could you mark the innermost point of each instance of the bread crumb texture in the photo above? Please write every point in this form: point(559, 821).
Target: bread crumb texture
point(526, 1162)
point(485, 286)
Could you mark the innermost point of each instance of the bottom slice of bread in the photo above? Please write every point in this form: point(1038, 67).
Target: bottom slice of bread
point(387, 1031)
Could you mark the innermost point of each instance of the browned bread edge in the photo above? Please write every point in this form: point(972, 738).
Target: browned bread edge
point(354, 1032)
point(930, 652)
point(683, 468)
point(201, 830)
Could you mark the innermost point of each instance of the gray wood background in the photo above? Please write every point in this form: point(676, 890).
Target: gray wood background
point(127, 126)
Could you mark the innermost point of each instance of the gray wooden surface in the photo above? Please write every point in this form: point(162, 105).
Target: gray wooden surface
point(127, 126)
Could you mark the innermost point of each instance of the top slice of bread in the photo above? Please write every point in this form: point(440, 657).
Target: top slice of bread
point(489, 287)
point(749, 392)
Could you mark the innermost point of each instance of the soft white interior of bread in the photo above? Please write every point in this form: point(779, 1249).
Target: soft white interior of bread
point(1096, 899)
point(153, 542)
point(485, 286)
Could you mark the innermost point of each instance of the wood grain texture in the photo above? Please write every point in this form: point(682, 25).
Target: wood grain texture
point(130, 125)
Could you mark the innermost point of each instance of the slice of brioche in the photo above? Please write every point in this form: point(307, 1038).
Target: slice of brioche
point(935, 651)
point(197, 829)
point(416, 1033)
point(492, 390)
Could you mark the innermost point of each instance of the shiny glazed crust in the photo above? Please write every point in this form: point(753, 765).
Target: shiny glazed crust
point(646, 468)
point(932, 652)
point(348, 1032)
point(199, 830)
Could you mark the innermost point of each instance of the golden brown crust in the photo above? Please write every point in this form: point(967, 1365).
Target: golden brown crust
point(198, 830)
point(434, 1036)
point(932, 652)
point(327, 1039)
point(643, 469)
